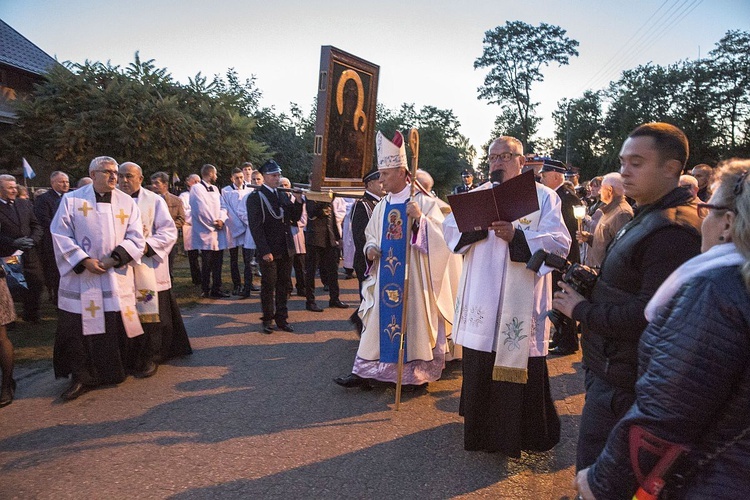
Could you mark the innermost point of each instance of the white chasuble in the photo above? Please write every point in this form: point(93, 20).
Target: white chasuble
point(205, 209)
point(433, 279)
point(83, 228)
point(488, 285)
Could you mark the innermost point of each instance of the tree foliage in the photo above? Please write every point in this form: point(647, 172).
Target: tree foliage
point(709, 99)
point(137, 113)
point(515, 54)
point(443, 151)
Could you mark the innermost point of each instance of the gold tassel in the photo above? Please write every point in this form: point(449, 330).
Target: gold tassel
point(508, 374)
point(149, 318)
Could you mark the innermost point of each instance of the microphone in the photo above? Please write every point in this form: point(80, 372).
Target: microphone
point(497, 176)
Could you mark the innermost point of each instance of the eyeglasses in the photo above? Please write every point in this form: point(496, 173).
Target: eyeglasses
point(503, 157)
point(109, 173)
point(703, 209)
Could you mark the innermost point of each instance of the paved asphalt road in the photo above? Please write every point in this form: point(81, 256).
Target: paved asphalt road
point(258, 416)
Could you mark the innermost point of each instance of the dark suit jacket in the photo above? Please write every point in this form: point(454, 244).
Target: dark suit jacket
point(569, 200)
point(17, 223)
point(361, 213)
point(322, 229)
point(272, 235)
point(45, 207)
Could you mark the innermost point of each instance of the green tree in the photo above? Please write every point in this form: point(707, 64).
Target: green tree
point(443, 151)
point(515, 54)
point(577, 137)
point(138, 114)
point(731, 62)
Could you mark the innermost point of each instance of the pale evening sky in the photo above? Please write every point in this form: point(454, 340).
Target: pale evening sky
point(425, 49)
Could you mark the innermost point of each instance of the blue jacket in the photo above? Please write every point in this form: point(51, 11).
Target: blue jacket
point(693, 389)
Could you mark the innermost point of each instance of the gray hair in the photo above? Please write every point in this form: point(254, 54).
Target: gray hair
point(131, 164)
point(510, 140)
point(7, 178)
point(56, 174)
point(101, 161)
point(193, 177)
point(162, 176)
point(614, 180)
point(425, 179)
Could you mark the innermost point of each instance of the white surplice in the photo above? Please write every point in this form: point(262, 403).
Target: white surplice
point(83, 228)
point(248, 242)
point(476, 325)
point(205, 210)
point(187, 227)
point(161, 235)
point(231, 198)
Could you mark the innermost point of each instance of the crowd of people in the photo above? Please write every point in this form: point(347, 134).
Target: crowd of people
point(664, 330)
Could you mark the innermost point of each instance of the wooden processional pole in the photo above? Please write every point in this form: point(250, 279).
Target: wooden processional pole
point(414, 144)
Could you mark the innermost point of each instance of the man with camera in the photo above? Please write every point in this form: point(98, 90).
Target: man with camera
point(500, 319)
point(664, 234)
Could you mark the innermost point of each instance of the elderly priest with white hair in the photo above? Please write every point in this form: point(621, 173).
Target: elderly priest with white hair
point(97, 234)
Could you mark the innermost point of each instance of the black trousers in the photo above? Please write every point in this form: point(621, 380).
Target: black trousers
point(32, 296)
point(234, 266)
point(195, 268)
point(328, 259)
point(300, 273)
point(172, 255)
point(51, 274)
point(565, 337)
point(273, 288)
point(211, 262)
point(248, 254)
point(605, 405)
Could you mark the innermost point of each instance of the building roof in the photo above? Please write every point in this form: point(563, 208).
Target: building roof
point(19, 52)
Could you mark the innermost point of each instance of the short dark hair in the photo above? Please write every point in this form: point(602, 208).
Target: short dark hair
point(205, 169)
point(247, 164)
point(236, 170)
point(162, 176)
point(670, 141)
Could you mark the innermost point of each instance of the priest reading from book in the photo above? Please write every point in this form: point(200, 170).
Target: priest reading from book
point(98, 235)
point(433, 277)
point(500, 318)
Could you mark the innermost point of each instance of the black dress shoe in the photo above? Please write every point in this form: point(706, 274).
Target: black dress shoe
point(205, 295)
point(267, 327)
point(285, 326)
point(301, 293)
point(413, 388)
point(254, 288)
point(559, 351)
point(312, 306)
point(8, 393)
point(338, 304)
point(350, 380)
point(237, 290)
point(148, 371)
point(75, 390)
point(245, 293)
point(219, 295)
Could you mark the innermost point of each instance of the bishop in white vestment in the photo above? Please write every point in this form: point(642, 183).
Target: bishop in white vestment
point(432, 282)
point(97, 235)
point(500, 320)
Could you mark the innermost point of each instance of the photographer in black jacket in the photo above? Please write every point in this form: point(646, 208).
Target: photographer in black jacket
point(663, 234)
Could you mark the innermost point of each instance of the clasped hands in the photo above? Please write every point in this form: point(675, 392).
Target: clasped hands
point(23, 243)
point(97, 266)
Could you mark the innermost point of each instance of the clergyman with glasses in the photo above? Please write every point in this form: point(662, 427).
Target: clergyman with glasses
point(500, 319)
point(97, 233)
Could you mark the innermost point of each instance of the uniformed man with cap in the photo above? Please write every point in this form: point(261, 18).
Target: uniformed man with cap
point(565, 339)
point(361, 213)
point(270, 215)
point(468, 182)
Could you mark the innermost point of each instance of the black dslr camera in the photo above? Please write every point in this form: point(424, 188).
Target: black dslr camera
point(580, 278)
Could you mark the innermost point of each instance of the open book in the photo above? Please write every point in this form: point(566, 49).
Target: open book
point(509, 201)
